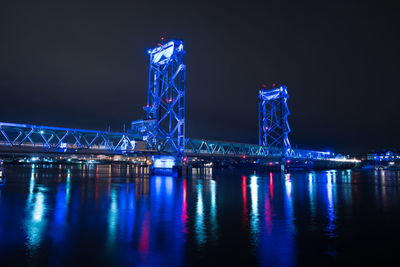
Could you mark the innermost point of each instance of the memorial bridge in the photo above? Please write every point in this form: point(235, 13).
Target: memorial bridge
point(162, 131)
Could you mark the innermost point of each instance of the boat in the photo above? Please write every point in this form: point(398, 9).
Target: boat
point(2, 175)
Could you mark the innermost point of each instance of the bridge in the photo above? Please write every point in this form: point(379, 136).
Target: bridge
point(26, 138)
point(163, 129)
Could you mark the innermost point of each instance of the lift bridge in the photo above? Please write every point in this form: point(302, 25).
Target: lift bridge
point(163, 129)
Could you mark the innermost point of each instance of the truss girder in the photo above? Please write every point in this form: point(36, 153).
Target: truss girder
point(195, 147)
point(63, 139)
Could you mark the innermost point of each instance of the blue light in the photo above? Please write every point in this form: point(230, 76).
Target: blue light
point(113, 217)
point(163, 162)
point(273, 128)
point(254, 223)
point(169, 130)
point(199, 221)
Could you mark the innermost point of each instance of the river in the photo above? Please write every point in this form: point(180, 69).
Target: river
point(99, 215)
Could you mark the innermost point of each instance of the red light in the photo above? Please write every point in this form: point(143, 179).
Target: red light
point(271, 163)
point(288, 161)
point(243, 157)
point(266, 128)
point(185, 159)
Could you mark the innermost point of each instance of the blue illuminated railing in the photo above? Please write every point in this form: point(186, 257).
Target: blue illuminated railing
point(57, 139)
point(64, 139)
point(220, 148)
point(207, 147)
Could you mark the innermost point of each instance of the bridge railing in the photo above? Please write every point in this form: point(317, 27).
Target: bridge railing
point(57, 139)
point(311, 154)
point(220, 148)
point(63, 139)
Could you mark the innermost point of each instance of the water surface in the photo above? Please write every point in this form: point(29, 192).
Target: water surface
point(66, 215)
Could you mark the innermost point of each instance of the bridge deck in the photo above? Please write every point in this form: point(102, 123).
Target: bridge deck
point(26, 138)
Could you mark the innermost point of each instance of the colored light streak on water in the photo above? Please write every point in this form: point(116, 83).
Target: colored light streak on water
point(169, 191)
point(289, 202)
point(96, 190)
point(158, 185)
point(113, 217)
point(214, 224)
point(68, 187)
point(169, 187)
point(36, 223)
point(311, 181)
point(346, 185)
point(35, 209)
point(38, 207)
point(383, 188)
point(331, 177)
point(122, 211)
point(31, 183)
point(144, 240)
point(268, 207)
point(131, 215)
point(184, 215)
point(60, 212)
point(271, 185)
point(254, 222)
point(59, 215)
point(276, 242)
point(199, 223)
point(244, 195)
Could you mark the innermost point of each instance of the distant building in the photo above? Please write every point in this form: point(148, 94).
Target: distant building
point(386, 156)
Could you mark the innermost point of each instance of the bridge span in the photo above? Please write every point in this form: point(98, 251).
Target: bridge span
point(27, 138)
point(162, 132)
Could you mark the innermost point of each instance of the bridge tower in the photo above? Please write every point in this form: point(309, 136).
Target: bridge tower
point(166, 98)
point(273, 124)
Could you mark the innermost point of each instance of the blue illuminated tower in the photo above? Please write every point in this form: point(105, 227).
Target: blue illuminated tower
point(166, 98)
point(273, 124)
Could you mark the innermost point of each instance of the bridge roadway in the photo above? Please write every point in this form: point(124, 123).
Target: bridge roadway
point(27, 139)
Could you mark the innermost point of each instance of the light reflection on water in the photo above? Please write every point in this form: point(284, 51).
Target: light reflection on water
point(124, 216)
point(199, 225)
point(35, 209)
point(330, 188)
point(254, 216)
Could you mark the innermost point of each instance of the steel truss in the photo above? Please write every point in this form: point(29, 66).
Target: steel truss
point(273, 124)
point(56, 139)
point(208, 147)
point(166, 98)
point(219, 148)
point(65, 139)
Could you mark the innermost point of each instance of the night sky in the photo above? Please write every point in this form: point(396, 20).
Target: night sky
point(84, 65)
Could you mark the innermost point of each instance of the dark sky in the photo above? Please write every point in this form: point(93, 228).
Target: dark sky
point(85, 65)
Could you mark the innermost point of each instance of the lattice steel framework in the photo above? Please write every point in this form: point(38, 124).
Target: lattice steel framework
point(166, 98)
point(273, 124)
point(195, 147)
point(57, 139)
point(229, 149)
